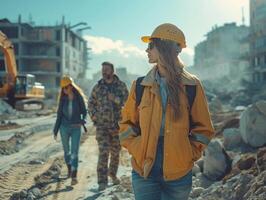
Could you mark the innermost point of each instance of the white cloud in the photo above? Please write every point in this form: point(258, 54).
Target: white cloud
point(121, 53)
point(188, 51)
point(187, 56)
point(102, 45)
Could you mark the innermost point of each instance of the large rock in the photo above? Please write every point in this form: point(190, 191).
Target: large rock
point(195, 169)
point(217, 163)
point(200, 163)
point(232, 138)
point(253, 124)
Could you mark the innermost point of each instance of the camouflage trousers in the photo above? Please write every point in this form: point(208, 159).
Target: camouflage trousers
point(109, 145)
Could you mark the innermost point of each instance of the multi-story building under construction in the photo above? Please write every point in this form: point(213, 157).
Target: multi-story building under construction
point(47, 52)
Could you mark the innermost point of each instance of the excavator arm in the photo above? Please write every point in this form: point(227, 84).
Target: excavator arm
point(10, 64)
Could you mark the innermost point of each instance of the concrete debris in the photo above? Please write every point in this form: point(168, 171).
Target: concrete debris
point(252, 124)
point(217, 162)
point(245, 181)
point(13, 144)
point(232, 138)
point(5, 108)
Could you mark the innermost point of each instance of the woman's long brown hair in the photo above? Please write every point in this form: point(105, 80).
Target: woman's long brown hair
point(168, 55)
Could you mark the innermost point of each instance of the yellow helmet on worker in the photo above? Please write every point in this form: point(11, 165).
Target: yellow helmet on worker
point(167, 31)
point(65, 81)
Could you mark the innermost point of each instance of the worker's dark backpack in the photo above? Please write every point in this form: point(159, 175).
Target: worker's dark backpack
point(190, 91)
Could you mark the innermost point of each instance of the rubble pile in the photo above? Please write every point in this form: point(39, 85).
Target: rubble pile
point(122, 191)
point(13, 144)
point(5, 108)
point(234, 163)
point(5, 125)
point(246, 181)
point(41, 183)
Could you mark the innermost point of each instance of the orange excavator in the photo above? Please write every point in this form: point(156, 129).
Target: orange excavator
point(20, 90)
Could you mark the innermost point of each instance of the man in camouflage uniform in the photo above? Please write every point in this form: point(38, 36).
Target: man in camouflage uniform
point(105, 103)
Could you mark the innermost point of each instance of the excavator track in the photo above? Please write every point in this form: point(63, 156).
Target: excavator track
point(29, 104)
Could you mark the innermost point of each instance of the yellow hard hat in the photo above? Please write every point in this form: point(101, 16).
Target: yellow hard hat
point(168, 32)
point(65, 81)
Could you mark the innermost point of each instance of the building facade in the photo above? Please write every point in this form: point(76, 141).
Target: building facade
point(258, 41)
point(220, 54)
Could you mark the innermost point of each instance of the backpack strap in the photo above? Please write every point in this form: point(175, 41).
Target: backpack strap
point(191, 93)
point(139, 90)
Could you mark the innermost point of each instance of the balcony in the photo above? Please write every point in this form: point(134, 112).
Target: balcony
point(260, 68)
point(40, 36)
point(245, 56)
point(40, 40)
point(45, 57)
point(43, 73)
point(259, 50)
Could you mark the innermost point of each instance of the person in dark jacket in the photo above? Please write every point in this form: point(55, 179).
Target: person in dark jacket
point(71, 115)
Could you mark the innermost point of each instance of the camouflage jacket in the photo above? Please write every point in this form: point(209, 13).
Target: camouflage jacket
point(107, 112)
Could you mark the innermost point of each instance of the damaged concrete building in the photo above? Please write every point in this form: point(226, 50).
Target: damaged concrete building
point(48, 52)
point(220, 55)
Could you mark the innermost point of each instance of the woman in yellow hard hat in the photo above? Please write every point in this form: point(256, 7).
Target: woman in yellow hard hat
point(165, 122)
point(71, 115)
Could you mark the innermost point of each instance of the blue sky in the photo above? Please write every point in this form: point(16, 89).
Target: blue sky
point(117, 25)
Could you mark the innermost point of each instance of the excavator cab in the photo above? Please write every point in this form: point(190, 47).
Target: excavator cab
point(26, 86)
point(21, 86)
point(28, 92)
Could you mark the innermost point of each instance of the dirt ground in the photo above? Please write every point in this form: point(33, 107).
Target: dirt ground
point(28, 152)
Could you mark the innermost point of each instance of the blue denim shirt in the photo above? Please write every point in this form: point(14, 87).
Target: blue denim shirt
point(164, 96)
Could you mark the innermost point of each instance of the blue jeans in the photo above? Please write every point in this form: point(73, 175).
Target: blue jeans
point(155, 187)
point(70, 134)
